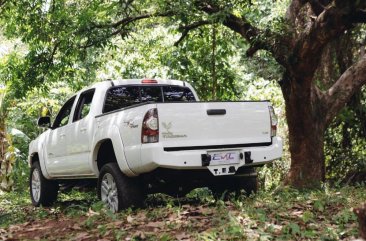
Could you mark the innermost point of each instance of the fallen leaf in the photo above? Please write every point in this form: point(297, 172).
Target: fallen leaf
point(92, 213)
point(82, 236)
point(130, 219)
point(155, 224)
point(183, 236)
point(76, 227)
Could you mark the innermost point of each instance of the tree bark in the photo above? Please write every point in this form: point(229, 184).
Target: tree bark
point(305, 118)
point(307, 154)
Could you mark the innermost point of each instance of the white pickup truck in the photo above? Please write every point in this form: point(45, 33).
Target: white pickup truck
point(146, 136)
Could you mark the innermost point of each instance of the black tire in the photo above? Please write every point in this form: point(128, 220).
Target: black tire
point(129, 190)
point(48, 189)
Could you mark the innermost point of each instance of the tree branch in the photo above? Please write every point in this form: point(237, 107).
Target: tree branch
point(253, 35)
point(190, 27)
point(330, 24)
point(294, 9)
point(92, 42)
point(239, 25)
point(129, 20)
point(119, 26)
point(317, 6)
point(54, 50)
point(345, 87)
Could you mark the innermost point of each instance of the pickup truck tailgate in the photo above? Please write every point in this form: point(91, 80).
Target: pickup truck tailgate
point(212, 125)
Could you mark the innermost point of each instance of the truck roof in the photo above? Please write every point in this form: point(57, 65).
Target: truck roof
point(148, 81)
point(136, 82)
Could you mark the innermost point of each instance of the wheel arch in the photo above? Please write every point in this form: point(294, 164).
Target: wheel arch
point(110, 149)
point(37, 157)
point(104, 153)
point(34, 157)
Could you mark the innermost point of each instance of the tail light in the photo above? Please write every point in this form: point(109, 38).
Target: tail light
point(274, 121)
point(150, 127)
point(149, 81)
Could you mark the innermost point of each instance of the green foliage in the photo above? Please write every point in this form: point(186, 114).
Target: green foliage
point(47, 32)
point(65, 40)
point(191, 60)
point(7, 150)
point(7, 163)
point(22, 115)
point(345, 143)
point(25, 112)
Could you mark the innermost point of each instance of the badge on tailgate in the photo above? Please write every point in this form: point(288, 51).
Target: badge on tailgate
point(168, 134)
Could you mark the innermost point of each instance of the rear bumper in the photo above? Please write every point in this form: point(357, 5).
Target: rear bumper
point(154, 156)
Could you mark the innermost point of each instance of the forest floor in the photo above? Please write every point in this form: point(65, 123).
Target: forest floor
point(282, 214)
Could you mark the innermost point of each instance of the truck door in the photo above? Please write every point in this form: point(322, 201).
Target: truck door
point(55, 147)
point(79, 136)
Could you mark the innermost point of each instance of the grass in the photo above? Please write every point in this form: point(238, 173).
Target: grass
point(282, 214)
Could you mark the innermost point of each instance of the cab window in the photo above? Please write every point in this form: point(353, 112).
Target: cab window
point(63, 115)
point(84, 104)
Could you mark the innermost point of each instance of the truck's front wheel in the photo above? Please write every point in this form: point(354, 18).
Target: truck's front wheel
point(43, 192)
point(118, 191)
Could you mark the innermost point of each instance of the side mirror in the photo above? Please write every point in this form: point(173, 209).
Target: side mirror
point(44, 121)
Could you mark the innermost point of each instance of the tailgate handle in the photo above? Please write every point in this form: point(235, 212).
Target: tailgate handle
point(216, 112)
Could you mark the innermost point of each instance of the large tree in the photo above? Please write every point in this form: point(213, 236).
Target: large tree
point(59, 32)
point(309, 109)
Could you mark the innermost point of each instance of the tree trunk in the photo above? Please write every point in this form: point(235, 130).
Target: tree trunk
point(305, 118)
point(307, 154)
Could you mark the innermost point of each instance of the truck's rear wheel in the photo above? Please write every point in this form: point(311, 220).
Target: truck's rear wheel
point(118, 191)
point(42, 191)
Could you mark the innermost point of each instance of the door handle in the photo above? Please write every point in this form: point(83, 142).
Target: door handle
point(62, 135)
point(83, 130)
point(50, 154)
point(216, 112)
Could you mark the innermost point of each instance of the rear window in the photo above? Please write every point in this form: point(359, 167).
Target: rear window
point(123, 96)
point(177, 93)
point(151, 93)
